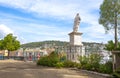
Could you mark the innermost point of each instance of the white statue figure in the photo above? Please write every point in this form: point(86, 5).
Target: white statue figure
point(76, 23)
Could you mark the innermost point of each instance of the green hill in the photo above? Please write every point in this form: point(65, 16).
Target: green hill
point(55, 43)
point(44, 44)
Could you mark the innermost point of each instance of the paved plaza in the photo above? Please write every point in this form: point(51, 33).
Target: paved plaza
point(20, 69)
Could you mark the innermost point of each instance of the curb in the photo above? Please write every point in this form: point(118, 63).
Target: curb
point(96, 73)
point(92, 72)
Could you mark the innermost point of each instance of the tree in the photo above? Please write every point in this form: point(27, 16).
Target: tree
point(110, 45)
point(10, 43)
point(109, 16)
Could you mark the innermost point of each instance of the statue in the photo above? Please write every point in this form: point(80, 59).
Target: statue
point(76, 23)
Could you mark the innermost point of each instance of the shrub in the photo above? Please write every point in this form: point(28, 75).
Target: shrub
point(106, 68)
point(43, 61)
point(94, 61)
point(83, 60)
point(91, 62)
point(50, 60)
point(63, 58)
point(59, 65)
point(71, 64)
point(68, 63)
point(102, 68)
point(116, 74)
point(109, 66)
point(87, 66)
point(78, 65)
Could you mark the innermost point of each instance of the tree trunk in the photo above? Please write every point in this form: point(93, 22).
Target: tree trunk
point(8, 54)
point(116, 39)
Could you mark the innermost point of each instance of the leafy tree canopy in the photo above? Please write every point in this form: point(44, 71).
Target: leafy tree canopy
point(109, 12)
point(110, 17)
point(110, 46)
point(9, 43)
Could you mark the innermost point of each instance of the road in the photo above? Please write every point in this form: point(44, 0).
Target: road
point(19, 69)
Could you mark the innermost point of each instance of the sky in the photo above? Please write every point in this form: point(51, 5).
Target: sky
point(41, 20)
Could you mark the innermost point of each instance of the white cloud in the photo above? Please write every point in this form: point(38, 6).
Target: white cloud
point(58, 9)
point(42, 32)
point(61, 9)
point(4, 30)
point(96, 33)
point(23, 4)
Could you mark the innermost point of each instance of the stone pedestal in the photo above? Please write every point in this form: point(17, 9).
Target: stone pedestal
point(75, 38)
point(116, 60)
point(75, 48)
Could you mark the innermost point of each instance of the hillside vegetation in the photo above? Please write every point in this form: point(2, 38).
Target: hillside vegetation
point(55, 43)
